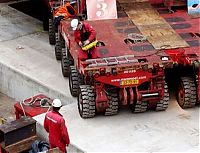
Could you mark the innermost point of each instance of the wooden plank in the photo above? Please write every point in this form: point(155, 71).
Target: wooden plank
point(157, 31)
point(21, 145)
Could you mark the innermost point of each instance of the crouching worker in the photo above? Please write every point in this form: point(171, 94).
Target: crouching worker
point(64, 12)
point(54, 124)
point(84, 35)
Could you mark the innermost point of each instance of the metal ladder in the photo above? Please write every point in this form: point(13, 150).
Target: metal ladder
point(109, 61)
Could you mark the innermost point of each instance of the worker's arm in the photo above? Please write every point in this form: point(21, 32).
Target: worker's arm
point(90, 29)
point(46, 124)
point(65, 135)
point(77, 36)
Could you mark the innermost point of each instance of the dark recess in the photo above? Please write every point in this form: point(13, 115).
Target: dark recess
point(35, 8)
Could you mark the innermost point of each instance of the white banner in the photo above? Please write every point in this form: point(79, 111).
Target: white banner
point(101, 9)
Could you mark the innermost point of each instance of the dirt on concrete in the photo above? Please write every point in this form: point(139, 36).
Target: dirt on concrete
point(7, 111)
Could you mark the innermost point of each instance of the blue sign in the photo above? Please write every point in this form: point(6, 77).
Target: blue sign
point(193, 7)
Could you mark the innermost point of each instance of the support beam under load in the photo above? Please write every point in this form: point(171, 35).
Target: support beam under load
point(158, 32)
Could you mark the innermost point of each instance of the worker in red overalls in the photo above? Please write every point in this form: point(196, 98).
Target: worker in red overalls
point(64, 12)
point(84, 35)
point(54, 124)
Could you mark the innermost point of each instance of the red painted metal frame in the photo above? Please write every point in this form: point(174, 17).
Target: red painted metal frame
point(117, 47)
point(114, 32)
point(30, 110)
point(186, 56)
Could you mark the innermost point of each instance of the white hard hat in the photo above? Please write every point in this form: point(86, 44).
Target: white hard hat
point(74, 24)
point(56, 103)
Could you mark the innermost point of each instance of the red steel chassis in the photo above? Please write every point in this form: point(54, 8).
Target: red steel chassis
point(136, 72)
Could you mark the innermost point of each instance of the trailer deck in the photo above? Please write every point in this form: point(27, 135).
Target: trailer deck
point(184, 33)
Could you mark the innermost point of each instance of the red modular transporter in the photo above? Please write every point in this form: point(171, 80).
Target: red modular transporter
point(129, 70)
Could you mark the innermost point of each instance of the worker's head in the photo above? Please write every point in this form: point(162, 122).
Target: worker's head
point(56, 104)
point(74, 24)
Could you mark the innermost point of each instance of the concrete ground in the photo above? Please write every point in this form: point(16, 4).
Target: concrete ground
point(28, 66)
point(173, 130)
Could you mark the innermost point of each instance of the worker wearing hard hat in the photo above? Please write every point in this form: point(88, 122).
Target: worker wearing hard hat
point(84, 34)
point(64, 12)
point(54, 124)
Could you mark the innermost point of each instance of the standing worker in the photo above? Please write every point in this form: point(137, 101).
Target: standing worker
point(54, 124)
point(84, 34)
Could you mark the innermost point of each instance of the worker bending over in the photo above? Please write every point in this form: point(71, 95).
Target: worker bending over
point(84, 34)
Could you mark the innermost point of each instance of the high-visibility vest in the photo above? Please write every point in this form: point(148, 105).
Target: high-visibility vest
point(62, 11)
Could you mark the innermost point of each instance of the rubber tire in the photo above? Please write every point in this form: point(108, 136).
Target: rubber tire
point(113, 101)
point(58, 48)
point(86, 102)
point(66, 62)
point(75, 80)
point(139, 107)
point(163, 103)
point(186, 94)
point(52, 37)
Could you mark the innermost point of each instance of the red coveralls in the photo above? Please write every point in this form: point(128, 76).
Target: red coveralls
point(86, 33)
point(54, 124)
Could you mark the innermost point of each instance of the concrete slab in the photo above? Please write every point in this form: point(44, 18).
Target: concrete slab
point(27, 61)
point(173, 130)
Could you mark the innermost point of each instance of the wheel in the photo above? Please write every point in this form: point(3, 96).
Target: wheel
point(75, 80)
point(58, 48)
point(60, 44)
point(163, 103)
point(52, 37)
point(139, 107)
point(86, 102)
point(66, 62)
point(186, 95)
point(113, 99)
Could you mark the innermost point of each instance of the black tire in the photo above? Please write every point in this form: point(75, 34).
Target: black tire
point(163, 103)
point(113, 99)
point(139, 107)
point(66, 62)
point(60, 45)
point(75, 80)
point(58, 48)
point(186, 95)
point(52, 37)
point(86, 102)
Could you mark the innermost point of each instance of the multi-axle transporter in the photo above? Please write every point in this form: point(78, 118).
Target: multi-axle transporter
point(138, 51)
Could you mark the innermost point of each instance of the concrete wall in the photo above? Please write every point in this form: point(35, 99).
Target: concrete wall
point(19, 86)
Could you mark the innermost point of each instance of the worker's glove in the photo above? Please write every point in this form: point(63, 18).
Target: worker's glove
point(57, 20)
point(86, 42)
point(80, 43)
